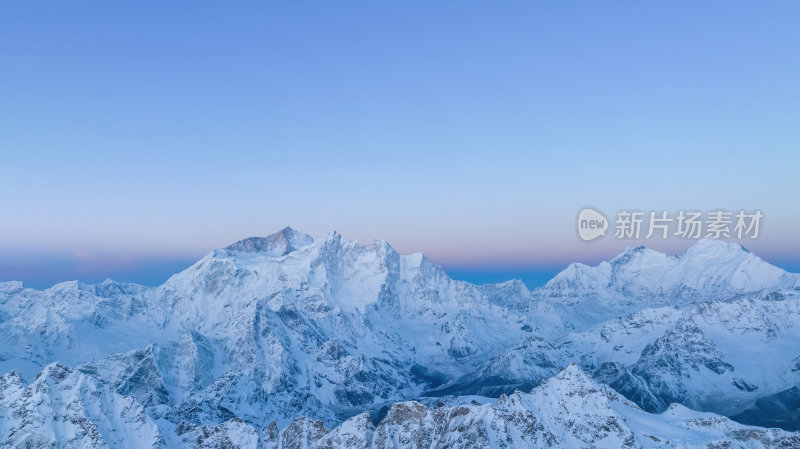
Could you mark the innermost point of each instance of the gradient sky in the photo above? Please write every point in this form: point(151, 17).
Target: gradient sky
point(137, 137)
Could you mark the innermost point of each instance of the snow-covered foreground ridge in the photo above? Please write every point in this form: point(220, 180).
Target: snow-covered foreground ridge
point(286, 342)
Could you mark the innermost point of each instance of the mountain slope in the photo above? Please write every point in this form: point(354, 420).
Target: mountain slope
point(570, 410)
point(65, 408)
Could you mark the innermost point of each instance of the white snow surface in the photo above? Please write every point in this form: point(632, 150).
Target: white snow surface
point(283, 341)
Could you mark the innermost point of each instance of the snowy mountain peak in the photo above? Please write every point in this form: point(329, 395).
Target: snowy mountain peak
point(573, 381)
point(715, 252)
point(708, 268)
point(277, 339)
point(705, 250)
point(716, 246)
point(278, 244)
point(572, 373)
point(577, 279)
point(639, 254)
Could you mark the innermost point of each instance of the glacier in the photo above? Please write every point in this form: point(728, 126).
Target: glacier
point(283, 341)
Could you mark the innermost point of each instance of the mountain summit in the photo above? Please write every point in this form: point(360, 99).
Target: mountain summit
point(278, 244)
point(707, 267)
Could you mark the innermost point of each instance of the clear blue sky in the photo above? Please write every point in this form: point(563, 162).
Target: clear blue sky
point(136, 137)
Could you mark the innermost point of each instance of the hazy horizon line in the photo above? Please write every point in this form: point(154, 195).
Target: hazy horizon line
point(40, 272)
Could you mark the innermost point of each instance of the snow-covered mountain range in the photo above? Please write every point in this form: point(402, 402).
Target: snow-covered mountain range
point(287, 342)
